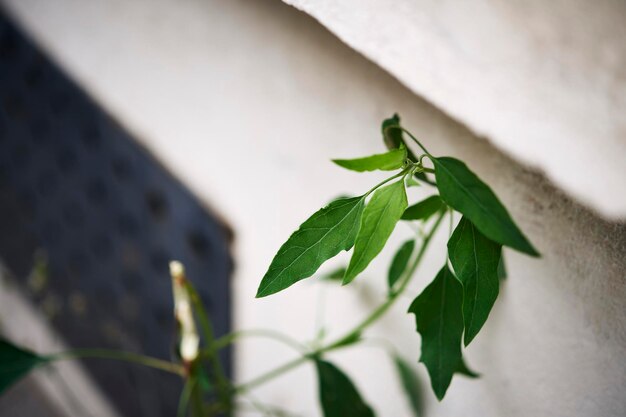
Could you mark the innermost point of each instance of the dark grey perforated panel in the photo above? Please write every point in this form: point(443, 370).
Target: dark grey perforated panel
point(75, 184)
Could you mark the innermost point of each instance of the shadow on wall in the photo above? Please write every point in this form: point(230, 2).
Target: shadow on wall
point(104, 219)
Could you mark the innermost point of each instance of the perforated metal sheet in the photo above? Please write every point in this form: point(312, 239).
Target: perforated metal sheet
point(74, 184)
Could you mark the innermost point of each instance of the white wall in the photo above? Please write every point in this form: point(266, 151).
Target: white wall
point(544, 81)
point(247, 100)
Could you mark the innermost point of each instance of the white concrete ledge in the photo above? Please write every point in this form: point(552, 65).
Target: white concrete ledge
point(544, 81)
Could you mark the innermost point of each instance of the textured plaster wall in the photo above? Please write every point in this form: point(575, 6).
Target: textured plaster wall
point(247, 100)
point(545, 81)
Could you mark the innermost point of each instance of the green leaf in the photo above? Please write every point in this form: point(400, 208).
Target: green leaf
point(15, 363)
point(348, 340)
point(424, 209)
point(388, 161)
point(411, 385)
point(338, 395)
point(335, 274)
point(439, 318)
point(394, 138)
point(502, 274)
point(464, 370)
point(475, 261)
point(325, 234)
point(412, 182)
point(399, 262)
point(462, 190)
point(202, 377)
point(379, 219)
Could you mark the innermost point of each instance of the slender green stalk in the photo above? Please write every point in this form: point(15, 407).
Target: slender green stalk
point(223, 385)
point(226, 340)
point(356, 331)
point(263, 408)
point(185, 396)
point(400, 174)
point(415, 140)
point(286, 367)
point(197, 403)
point(404, 281)
point(119, 355)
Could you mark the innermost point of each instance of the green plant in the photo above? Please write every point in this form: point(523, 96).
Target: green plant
point(449, 313)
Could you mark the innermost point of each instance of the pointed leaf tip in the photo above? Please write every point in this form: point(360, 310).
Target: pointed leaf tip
point(388, 161)
point(378, 221)
point(339, 397)
point(462, 190)
point(400, 262)
point(410, 384)
point(475, 259)
point(15, 363)
point(439, 320)
point(424, 209)
point(463, 369)
point(321, 237)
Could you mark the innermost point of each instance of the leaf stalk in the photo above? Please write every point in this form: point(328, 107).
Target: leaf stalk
point(119, 355)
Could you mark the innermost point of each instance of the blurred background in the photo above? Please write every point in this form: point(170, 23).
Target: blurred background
point(132, 133)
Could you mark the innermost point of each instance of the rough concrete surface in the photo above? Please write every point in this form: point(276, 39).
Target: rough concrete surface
point(544, 81)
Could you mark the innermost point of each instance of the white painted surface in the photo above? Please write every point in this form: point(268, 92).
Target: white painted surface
point(544, 80)
point(247, 100)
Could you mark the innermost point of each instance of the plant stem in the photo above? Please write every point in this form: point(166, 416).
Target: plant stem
point(229, 338)
point(414, 139)
point(382, 309)
point(265, 409)
point(223, 385)
point(288, 366)
point(120, 356)
point(401, 173)
point(196, 399)
point(185, 395)
point(355, 332)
